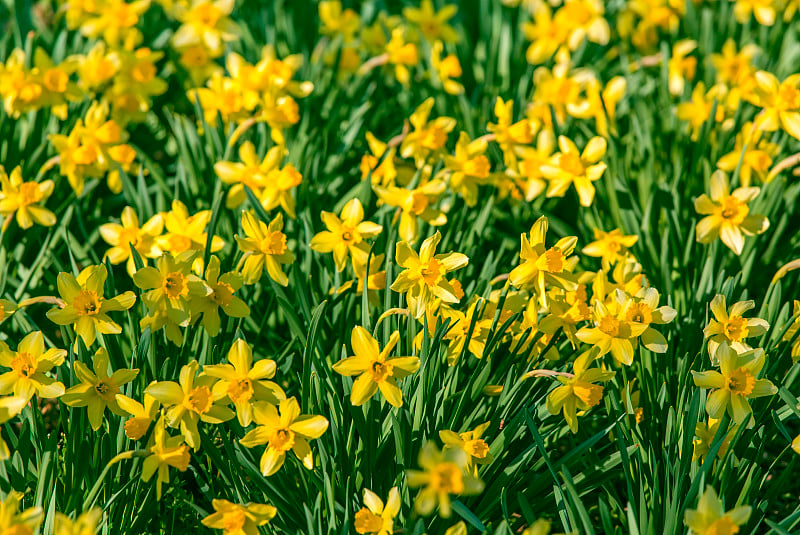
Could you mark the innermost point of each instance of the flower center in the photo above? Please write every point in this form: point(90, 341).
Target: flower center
point(179, 244)
point(419, 202)
point(640, 313)
point(588, 393)
point(741, 382)
point(233, 521)
point(553, 260)
point(199, 400)
point(207, 14)
point(24, 364)
point(431, 272)
point(222, 294)
point(175, 285)
point(571, 163)
point(788, 98)
point(282, 440)
point(368, 522)
point(274, 243)
point(240, 390)
point(350, 234)
point(135, 428)
point(736, 329)
point(477, 448)
point(733, 210)
point(723, 526)
point(106, 390)
point(128, 237)
point(178, 457)
point(380, 371)
point(447, 478)
point(433, 138)
point(609, 325)
point(29, 193)
point(86, 303)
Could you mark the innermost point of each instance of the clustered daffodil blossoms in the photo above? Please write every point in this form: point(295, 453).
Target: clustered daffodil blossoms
point(376, 267)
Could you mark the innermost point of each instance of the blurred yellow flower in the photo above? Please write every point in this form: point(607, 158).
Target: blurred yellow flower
point(236, 519)
point(24, 200)
point(10, 406)
point(710, 517)
point(121, 237)
point(442, 474)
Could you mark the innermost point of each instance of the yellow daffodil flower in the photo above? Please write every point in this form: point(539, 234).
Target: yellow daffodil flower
point(85, 306)
point(446, 69)
point(97, 390)
point(167, 298)
point(13, 521)
point(415, 204)
point(610, 247)
point(579, 391)
point(509, 135)
point(129, 234)
point(423, 277)
point(705, 434)
point(727, 214)
point(472, 443)
point(244, 382)
point(780, 103)
point(375, 369)
point(345, 235)
point(730, 326)
point(467, 168)
point(431, 23)
point(165, 451)
point(29, 365)
point(189, 402)
point(186, 232)
point(236, 519)
point(207, 23)
point(375, 518)
point(735, 383)
point(25, 200)
point(141, 415)
point(283, 431)
point(571, 167)
point(612, 334)
point(442, 474)
point(541, 266)
point(710, 517)
point(681, 66)
point(250, 172)
point(87, 523)
point(792, 331)
point(10, 406)
point(427, 137)
point(263, 246)
point(763, 10)
point(216, 292)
